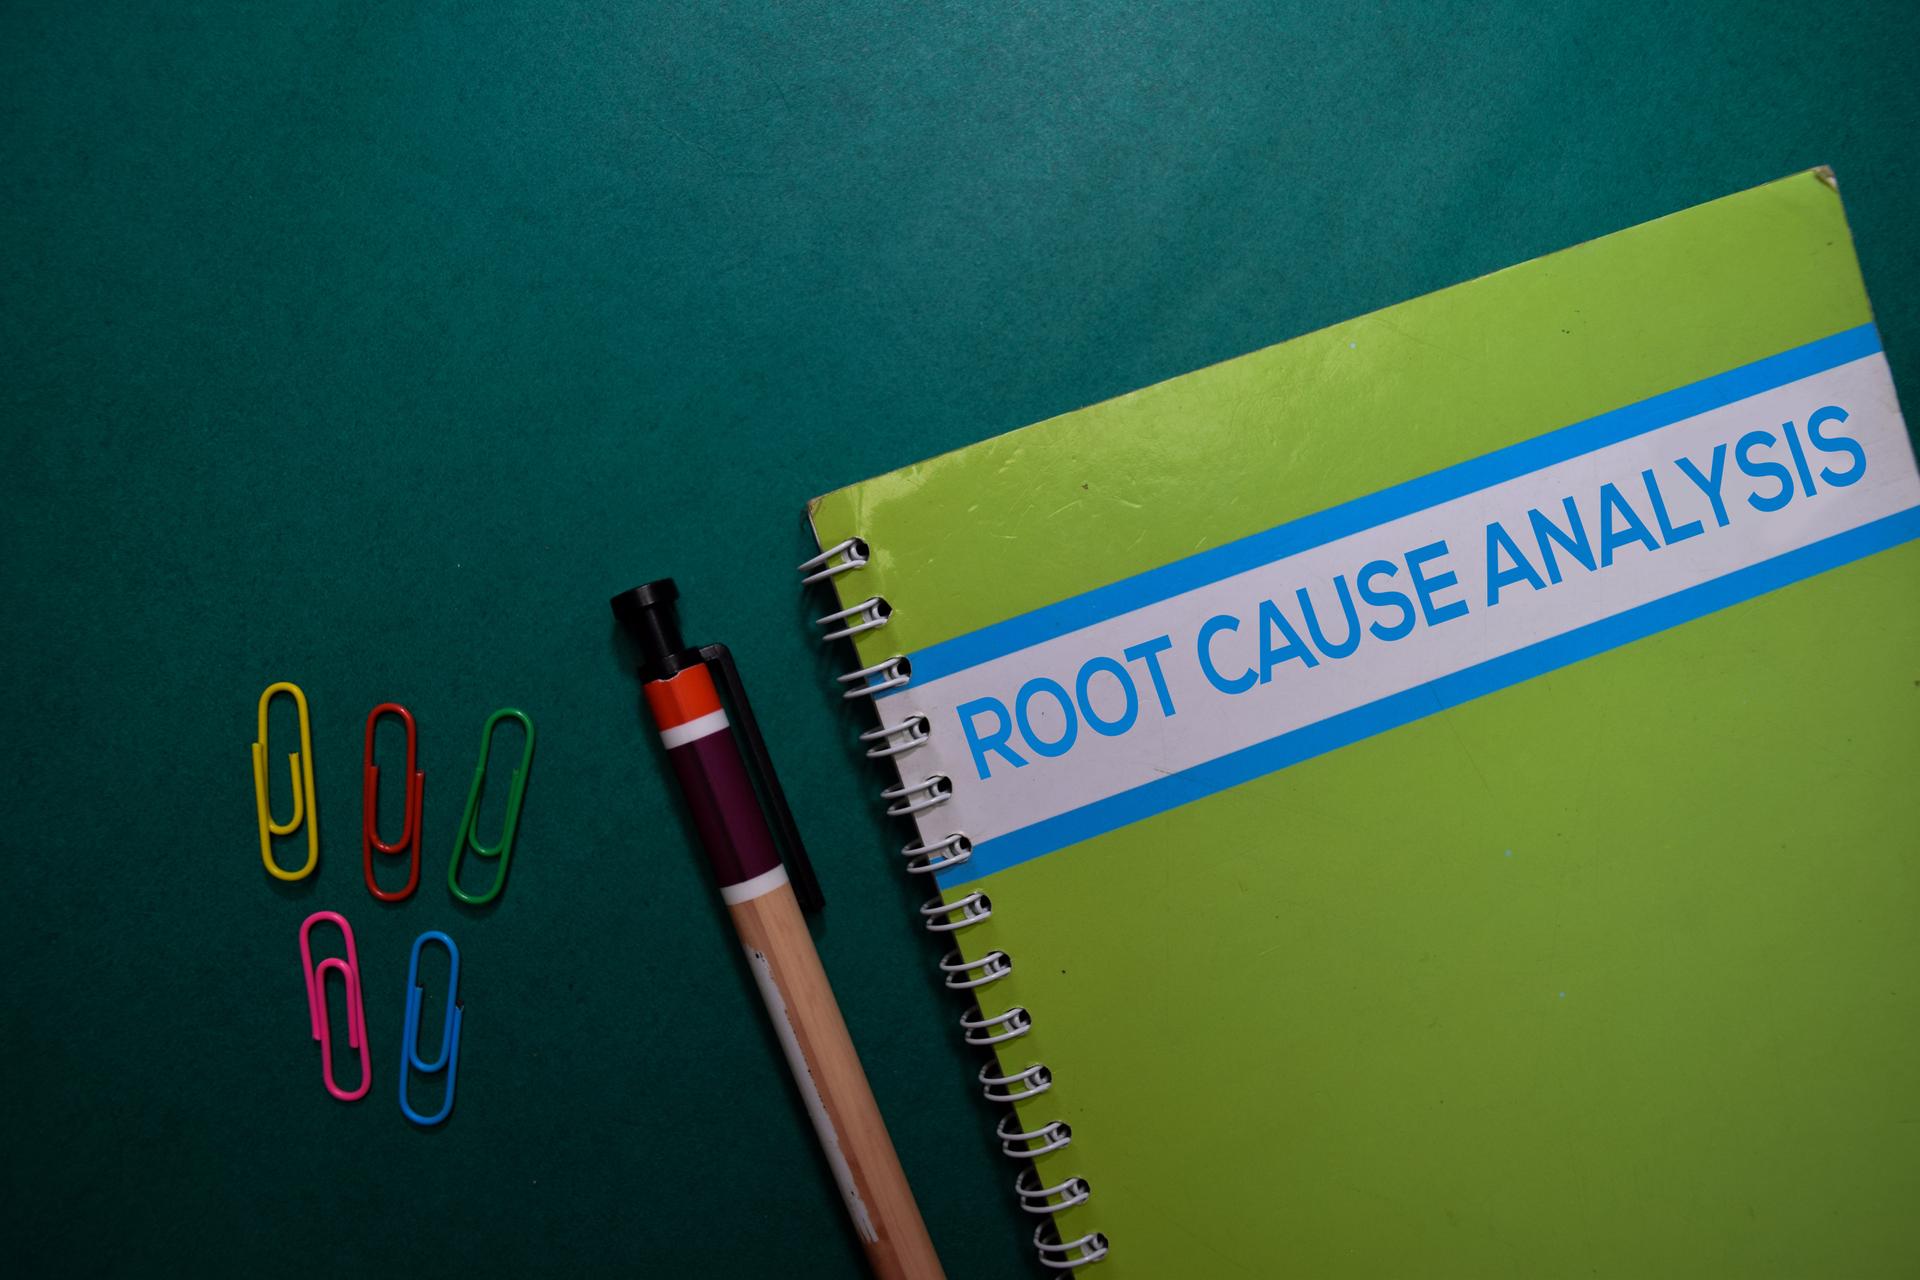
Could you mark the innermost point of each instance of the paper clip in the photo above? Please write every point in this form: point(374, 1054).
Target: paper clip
point(316, 978)
point(516, 791)
point(300, 763)
point(370, 806)
point(448, 1060)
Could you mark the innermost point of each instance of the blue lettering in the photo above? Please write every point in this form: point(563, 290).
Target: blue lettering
point(1799, 456)
point(1024, 700)
point(1106, 728)
point(1522, 570)
point(1149, 651)
point(1352, 641)
point(1836, 444)
point(1668, 534)
point(1424, 587)
point(1383, 599)
point(1710, 484)
point(1210, 628)
point(1633, 531)
point(1762, 470)
point(1271, 621)
point(994, 741)
point(1572, 540)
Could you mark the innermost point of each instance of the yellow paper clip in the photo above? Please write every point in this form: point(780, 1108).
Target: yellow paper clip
point(300, 763)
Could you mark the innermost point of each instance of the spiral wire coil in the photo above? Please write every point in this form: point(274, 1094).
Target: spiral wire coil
point(912, 798)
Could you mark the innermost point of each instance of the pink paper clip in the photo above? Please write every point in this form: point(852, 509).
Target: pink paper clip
point(316, 979)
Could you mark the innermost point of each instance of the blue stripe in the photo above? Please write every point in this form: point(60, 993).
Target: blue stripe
point(1437, 695)
point(1254, 550)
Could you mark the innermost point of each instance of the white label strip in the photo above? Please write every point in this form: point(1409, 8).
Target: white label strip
point(1155, 706)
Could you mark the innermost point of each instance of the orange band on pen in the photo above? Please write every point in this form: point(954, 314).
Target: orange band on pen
point(682, 697)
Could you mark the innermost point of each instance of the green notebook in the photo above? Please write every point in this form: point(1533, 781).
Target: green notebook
point(1437, 796)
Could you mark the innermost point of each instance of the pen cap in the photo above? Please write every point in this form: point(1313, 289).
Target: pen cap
point(647, 614)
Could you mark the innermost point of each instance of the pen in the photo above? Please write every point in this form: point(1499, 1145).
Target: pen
point(706, 755)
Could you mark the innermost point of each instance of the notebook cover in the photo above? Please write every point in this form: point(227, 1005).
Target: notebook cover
point(1569, 929)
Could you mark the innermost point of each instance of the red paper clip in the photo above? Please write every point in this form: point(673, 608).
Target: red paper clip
point(370, 806)
point(316, 978)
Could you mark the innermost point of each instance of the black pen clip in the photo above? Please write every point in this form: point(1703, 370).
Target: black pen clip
point(806, 887)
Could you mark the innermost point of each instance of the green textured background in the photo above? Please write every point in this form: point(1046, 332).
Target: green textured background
point(373, 346)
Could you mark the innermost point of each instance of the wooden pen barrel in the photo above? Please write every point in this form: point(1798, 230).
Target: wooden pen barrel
point(721, 800)
point(825, 1067)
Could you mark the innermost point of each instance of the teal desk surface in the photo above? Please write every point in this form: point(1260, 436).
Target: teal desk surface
point(374, 346)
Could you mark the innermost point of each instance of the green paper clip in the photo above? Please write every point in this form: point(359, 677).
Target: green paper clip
point(517, 791)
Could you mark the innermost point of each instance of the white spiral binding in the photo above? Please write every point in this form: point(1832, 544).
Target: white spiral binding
point(937, 912)
point(1035, 1198)
point(896, 739)
point(871, 681)
point(1051, 1136)
point(907, 800)
point(1035, 1080)
point(923, 858)
point(1088, 1249)
point(869, 615)
point(965, 975)
point(1000, 1028)
point(928, 793)
point(852, 555)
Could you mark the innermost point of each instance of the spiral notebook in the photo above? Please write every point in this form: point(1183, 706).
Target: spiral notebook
point(1436, 796)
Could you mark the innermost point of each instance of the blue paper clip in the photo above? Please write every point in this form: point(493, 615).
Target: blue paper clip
point(448, 1059)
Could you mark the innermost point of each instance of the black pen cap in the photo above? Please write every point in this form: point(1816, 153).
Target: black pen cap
point(647, 614)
